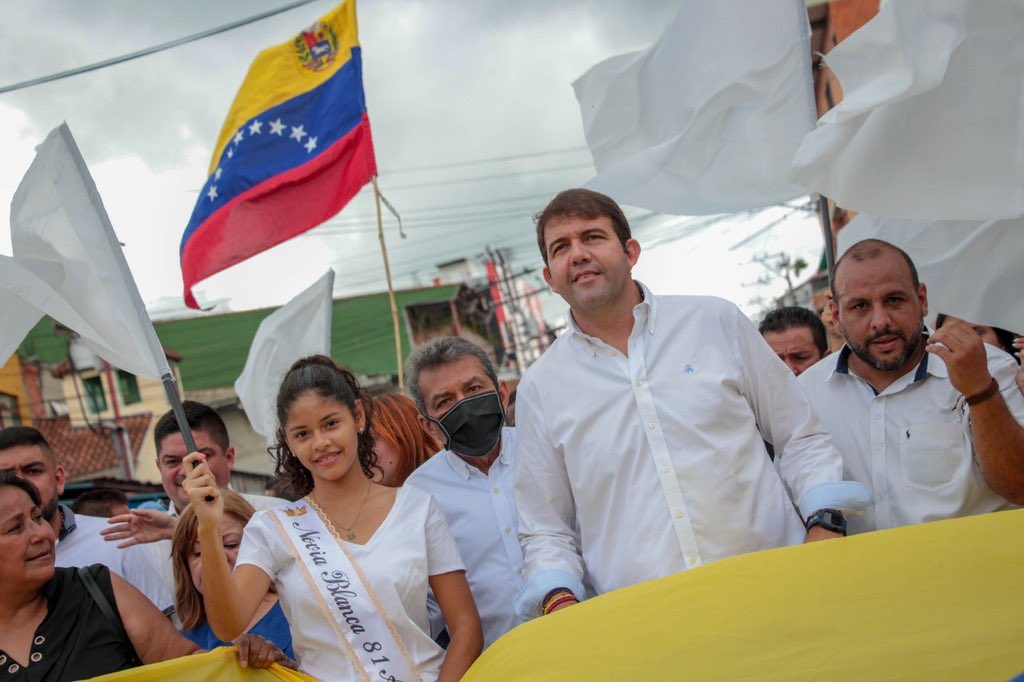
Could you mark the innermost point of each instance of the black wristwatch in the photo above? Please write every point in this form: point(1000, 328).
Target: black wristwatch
point(829, 519)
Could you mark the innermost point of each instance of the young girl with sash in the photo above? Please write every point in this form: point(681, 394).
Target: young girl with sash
point(352, 560)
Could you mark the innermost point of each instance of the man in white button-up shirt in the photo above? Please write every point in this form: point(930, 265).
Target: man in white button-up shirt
point(25, 452)
point(460, 401)
point(930, 424)
point(641, 430)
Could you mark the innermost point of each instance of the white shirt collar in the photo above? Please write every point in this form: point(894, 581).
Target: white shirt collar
point(645, 314)
point(465, 470)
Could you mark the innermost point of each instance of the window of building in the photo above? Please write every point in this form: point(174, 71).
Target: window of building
point(95, 396)
point(9, 415)
point(128, 385)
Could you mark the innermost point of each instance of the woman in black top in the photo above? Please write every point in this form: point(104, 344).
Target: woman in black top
point(52, 627)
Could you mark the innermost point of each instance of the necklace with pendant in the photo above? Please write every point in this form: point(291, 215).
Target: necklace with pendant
point(350, 534)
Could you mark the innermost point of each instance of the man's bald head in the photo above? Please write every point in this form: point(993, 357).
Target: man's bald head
point(869, 249)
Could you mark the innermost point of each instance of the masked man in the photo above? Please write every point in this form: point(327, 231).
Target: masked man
point(462, 404)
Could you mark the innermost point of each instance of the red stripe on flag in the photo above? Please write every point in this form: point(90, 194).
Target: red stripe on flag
point(280, 208)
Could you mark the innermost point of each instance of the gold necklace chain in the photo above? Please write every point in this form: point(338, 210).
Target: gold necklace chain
point(349, 534)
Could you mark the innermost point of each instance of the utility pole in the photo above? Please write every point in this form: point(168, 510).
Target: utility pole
point(781, 265)
point(496, 299)
point(511, 300)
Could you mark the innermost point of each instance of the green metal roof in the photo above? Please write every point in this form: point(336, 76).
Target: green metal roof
point(214, 347)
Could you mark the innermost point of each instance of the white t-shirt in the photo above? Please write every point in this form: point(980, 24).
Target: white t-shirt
point(412, 543)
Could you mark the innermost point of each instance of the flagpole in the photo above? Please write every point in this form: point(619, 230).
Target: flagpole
point(391, 288)
point(826, 228)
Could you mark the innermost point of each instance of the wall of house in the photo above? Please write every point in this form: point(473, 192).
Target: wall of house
point(12, 386)
point(250, 447)
point(152, 399)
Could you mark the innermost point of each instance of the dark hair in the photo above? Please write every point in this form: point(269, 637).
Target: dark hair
point(581, 203)
point(200, 417)
point(8, 479)
point(1004, 337)
point(280, 487)
point(869, 249)
point(99, 502)
point(18, 436)
point(318, 374)
point(438, 352)
point(788, 317)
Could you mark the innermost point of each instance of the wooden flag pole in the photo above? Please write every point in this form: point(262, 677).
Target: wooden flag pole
point(391, 288)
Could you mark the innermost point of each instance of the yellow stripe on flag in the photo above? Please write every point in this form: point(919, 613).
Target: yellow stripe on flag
point(278, 74)
point(219, 665)
point(940, 601)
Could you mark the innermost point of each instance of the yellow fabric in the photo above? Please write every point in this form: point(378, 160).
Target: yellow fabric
point(941, 601)
point(219, 665)
point(277, 75)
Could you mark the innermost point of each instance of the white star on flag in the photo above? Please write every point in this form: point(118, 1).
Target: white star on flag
point(310, 144)
point(238, 137)
point(256, 127)
point(217, 174)
point(298, 133)
point(212, 193)
point(276, 127)
point(231, 152)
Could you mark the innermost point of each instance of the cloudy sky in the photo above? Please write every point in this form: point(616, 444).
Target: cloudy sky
point(474, 119)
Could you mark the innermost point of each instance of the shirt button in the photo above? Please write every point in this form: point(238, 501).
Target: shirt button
point(496, 491)
point(877, 417)
point(651, 425)
point(876, 447)
point(508, 529)
point(692, 561)
point(665, 470)
point(639, 383)
point(679, 514)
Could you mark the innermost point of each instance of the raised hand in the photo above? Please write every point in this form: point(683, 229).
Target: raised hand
point(203, 493)
point(963, 351)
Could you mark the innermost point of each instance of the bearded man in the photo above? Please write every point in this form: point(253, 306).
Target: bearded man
point(929, 422)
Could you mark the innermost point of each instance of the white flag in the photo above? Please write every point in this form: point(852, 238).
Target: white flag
point(18, 314)
point(61, 233)
point(930, 126)
point(299, 328)
point(708, 119)
point(972, 270)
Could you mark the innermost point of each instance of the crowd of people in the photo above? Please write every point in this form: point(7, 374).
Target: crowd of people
point(658, 434)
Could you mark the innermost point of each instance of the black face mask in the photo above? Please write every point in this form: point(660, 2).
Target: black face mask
point(473, 426)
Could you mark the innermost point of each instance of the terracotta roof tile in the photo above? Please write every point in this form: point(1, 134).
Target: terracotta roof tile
point(82, 451)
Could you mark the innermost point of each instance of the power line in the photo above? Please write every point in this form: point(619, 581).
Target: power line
point(151, 50)
point(492, 159)
point(496, 176)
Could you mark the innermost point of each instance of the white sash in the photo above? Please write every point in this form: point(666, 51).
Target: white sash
point(365, 632)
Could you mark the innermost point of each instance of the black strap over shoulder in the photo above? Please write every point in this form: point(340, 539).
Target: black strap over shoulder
point(105, 607)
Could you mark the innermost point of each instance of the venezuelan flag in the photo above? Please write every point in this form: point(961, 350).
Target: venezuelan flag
point(294, 149)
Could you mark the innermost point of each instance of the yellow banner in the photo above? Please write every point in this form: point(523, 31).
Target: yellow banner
point(219, 665)
point(941, 601)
